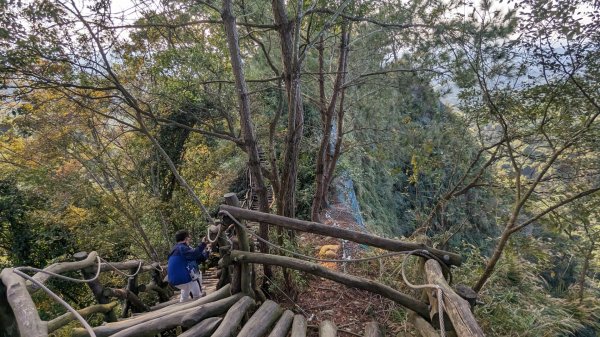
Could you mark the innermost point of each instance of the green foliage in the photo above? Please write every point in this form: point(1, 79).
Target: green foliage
point(516, 301)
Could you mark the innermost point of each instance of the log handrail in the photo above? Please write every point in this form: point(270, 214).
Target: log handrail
point(352, 281)
point(341, 233)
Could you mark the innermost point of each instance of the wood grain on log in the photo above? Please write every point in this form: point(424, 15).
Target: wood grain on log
point(231, 322)
point(203, 329)
point(299, 326)
point(283, 325)
point(358, 237)
point(458, 310)
point(26, 314)
point(112, 328)
point(351, 281)
point(64, 319)
point(327, 329)
point(185, 318)
point(424, 329)
point(372, 329)
point(262, 320)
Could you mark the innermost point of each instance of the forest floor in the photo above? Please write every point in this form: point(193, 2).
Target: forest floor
point(349, 308)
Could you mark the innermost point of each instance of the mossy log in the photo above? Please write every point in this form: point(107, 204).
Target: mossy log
point(234, 316)
point(203, 329)
point(341, 233)
point(351, 281)
point(185, 318)
point(457, 309)
point(299, 326)
point(283, 325)
point(64, 319)
point(327, 329)
point(112, 328)
point(372, 329)
point(262, 320)
point(24, 310)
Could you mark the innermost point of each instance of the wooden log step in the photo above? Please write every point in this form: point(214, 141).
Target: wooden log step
point(327, 329)
point(112, 328)
point(372, 329)
point(185, 318)
point(299, 326)
point(203, 329)
point(262, 320)
point(234, 316)
point(283, 325)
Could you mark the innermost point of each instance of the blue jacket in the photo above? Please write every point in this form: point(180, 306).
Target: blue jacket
point(181, 255)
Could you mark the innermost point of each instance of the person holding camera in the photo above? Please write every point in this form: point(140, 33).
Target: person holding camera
point(182, 268)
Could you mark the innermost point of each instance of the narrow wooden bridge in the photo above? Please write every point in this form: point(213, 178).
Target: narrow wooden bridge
point(234, 305)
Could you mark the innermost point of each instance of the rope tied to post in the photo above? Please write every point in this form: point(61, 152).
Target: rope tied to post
point(440, 292)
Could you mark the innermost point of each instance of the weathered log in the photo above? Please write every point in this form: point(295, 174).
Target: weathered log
point(327, 329)
point(372, 329)
point(358, 237)
point(351, 281)
point(128, 266)
point(88, 272)
point(262, 320)
point(163, 295)
point(64, 319)
point(203, 329)
point(458, 309)
point(133, 287)
point(231, 322)
point(283, 325)
point(185, 318)
point(299, 326)
point(62, 267)
point(24, 310)
point(467, 294)
point(424, 328)
point(8, 322)
point(112, 328)
point(244, 242)
point(128, 296)
point(164, 304)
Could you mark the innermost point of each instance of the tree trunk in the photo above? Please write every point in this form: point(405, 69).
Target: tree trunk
point(491, 264)
point(326, 154)
point(262, 320)
point(289, 41)
point(248, 133)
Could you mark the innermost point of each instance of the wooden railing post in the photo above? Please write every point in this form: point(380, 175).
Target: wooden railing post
point(246, 269)
point(95, 286)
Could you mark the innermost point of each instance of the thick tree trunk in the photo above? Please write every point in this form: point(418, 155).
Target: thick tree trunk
point(289, 41)
point(326, 154)
point(203, 329)
point(250, 141)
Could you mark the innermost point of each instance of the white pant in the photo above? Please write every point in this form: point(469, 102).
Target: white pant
point(186, 288)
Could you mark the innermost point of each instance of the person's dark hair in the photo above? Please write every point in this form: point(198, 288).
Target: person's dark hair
point(181, 235)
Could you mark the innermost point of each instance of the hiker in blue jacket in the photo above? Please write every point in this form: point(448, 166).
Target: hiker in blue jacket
point(182, 268)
